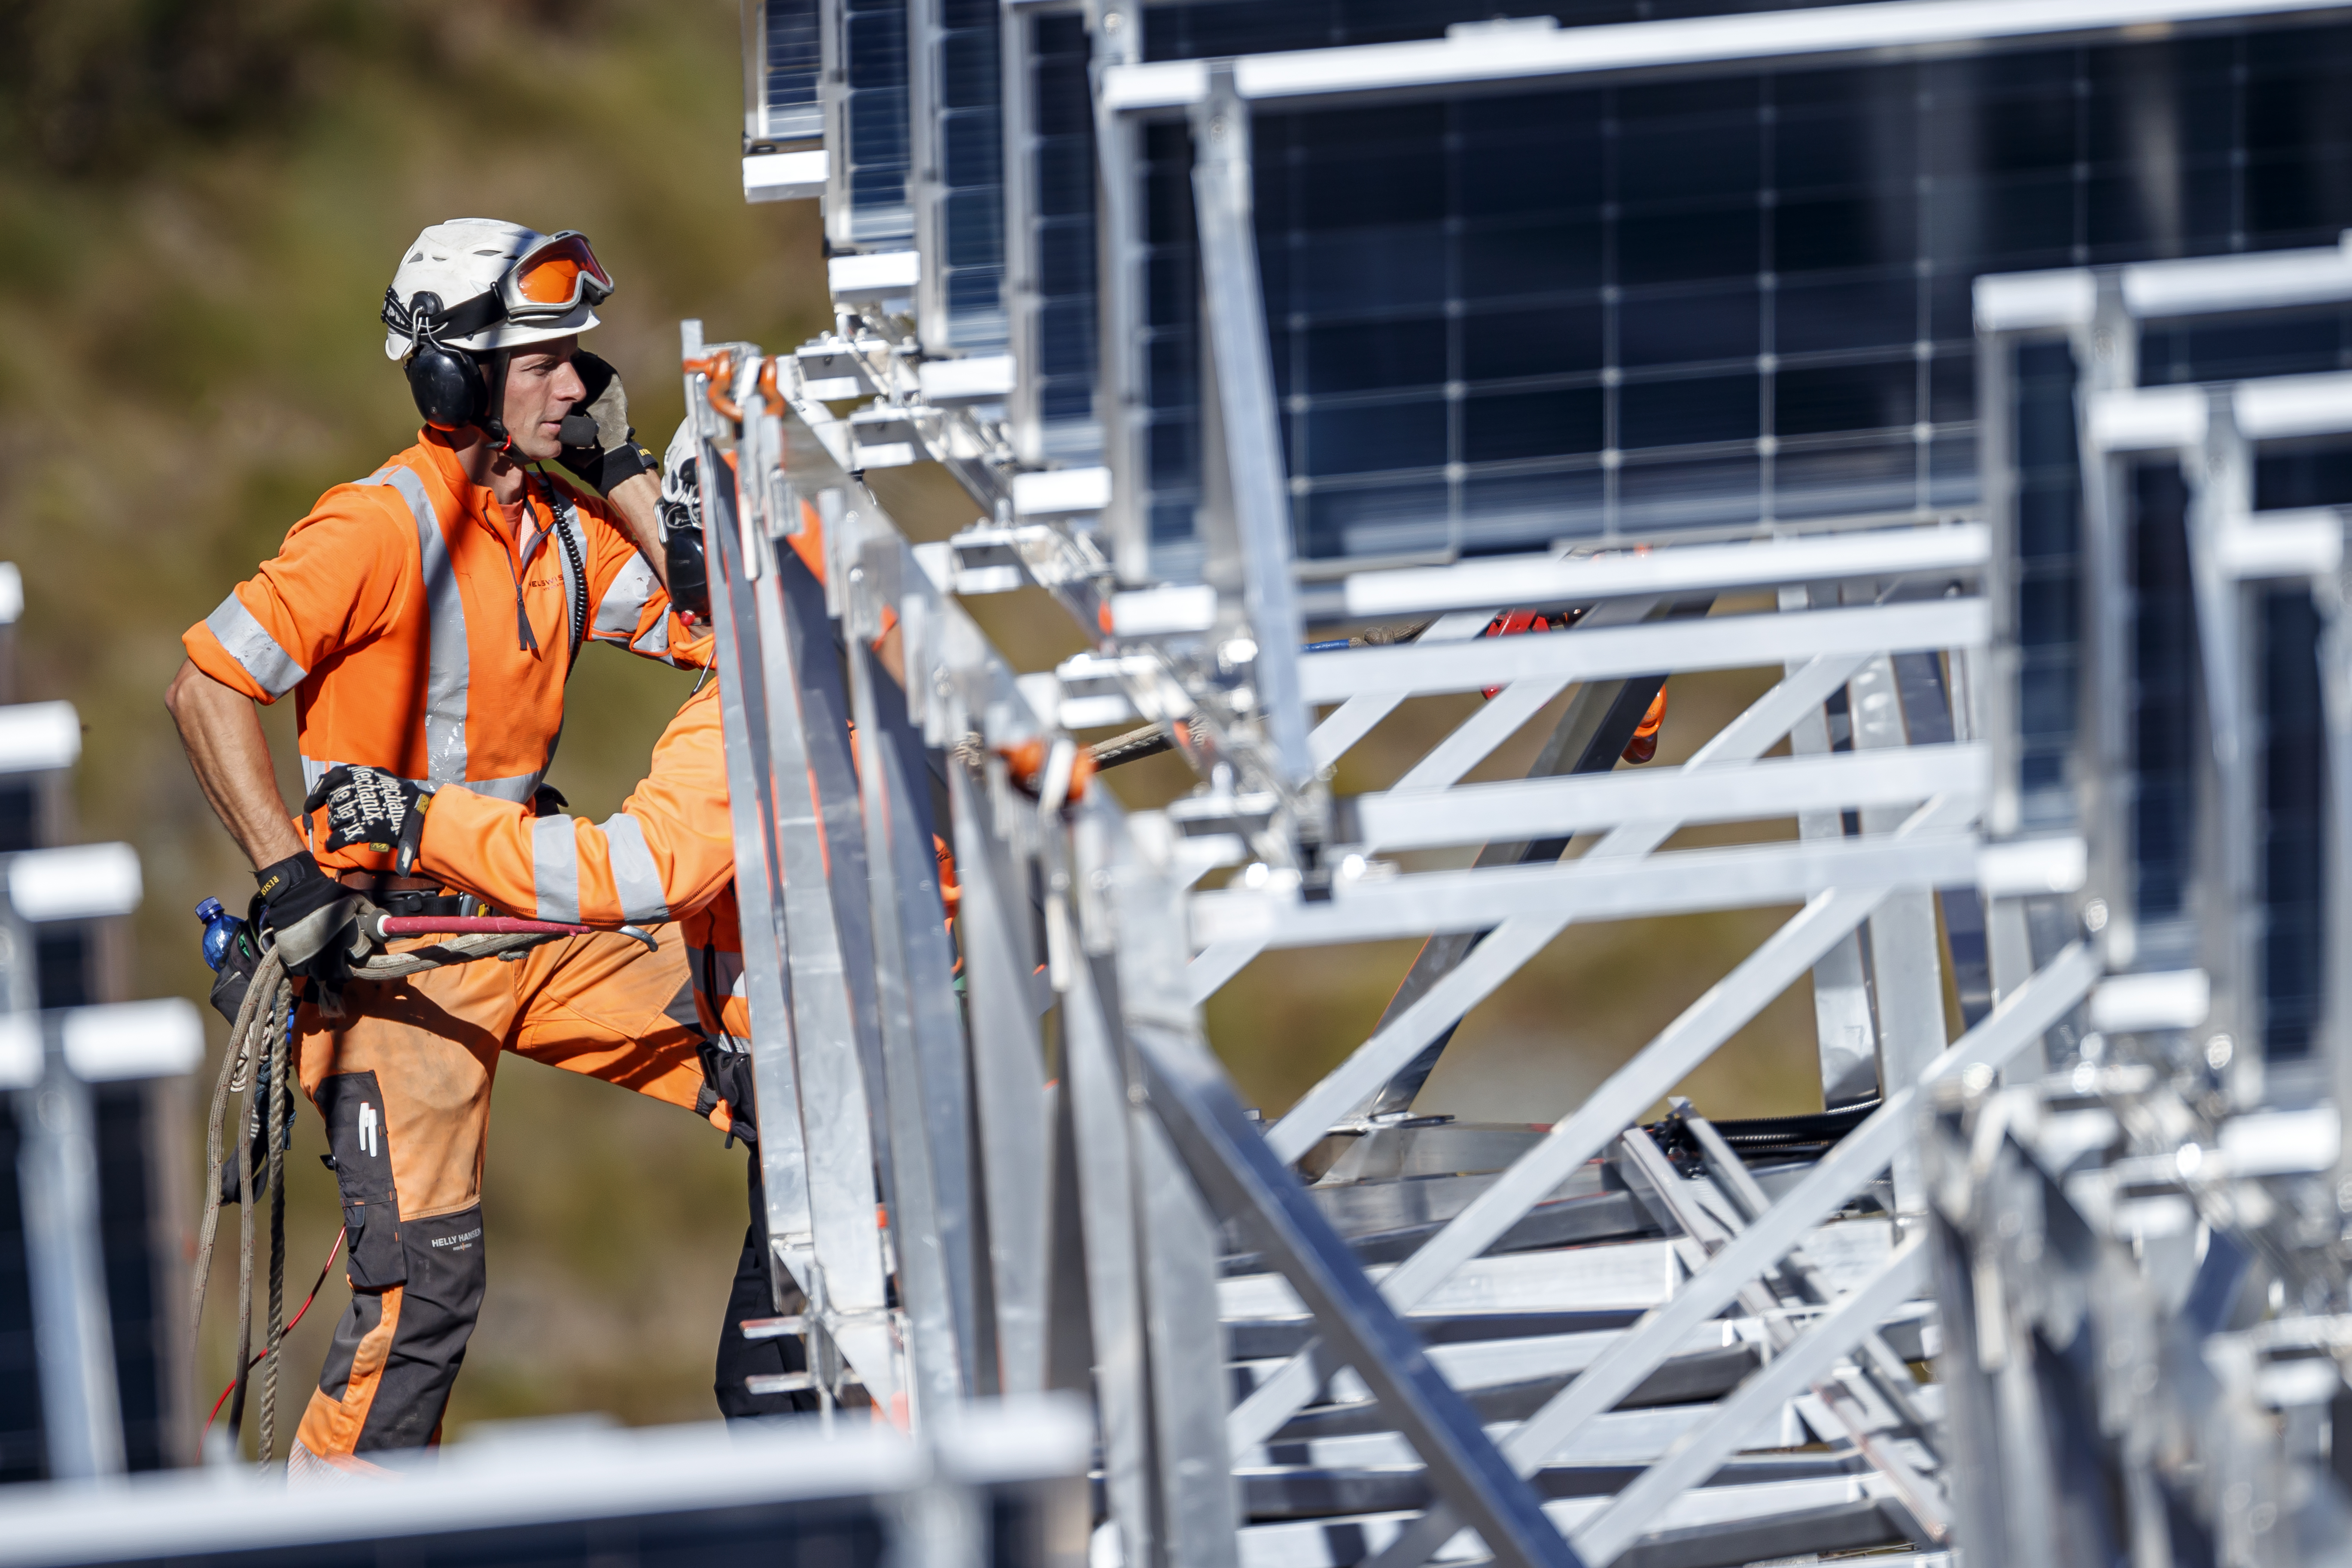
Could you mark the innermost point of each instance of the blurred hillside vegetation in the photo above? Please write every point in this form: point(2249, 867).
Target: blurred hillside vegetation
point(200, 206)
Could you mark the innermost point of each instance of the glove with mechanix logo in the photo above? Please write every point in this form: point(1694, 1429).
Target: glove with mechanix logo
point(681, 520)
point(370, 808)
point(599, 443)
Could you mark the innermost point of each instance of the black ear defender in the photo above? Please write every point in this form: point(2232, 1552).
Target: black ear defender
point(448, 383)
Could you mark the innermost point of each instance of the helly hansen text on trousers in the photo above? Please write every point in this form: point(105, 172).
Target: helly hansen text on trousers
point(404, 1082)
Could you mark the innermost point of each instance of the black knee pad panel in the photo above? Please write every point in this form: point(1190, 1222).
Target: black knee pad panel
point(360, 1147)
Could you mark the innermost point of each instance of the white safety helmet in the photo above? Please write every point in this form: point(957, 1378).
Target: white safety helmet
point(499, 285)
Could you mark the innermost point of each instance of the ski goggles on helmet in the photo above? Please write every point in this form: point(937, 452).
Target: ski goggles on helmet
point(546, 284)
point(552, 278)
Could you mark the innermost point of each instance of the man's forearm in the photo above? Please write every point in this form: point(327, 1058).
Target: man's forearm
point(222, 734)
point(636, 502)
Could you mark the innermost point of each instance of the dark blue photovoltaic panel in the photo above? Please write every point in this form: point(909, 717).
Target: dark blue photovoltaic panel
point(971, 247)
point(791, 60)
point(1500, 322)
point(1061, 155)
point(1201, 29)
point(2049, 579)
point(2163, 637)
point(874, 121)
point(2292, 836)
point(1171, 354)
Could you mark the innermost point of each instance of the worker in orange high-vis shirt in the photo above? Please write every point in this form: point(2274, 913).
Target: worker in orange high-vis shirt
point(672, 841)
point(427, 619)
point(676, 819)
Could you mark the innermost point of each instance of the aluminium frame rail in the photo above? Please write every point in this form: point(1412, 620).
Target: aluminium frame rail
point(1128, 1225)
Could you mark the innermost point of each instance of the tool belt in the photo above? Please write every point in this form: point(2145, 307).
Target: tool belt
point(422, 901)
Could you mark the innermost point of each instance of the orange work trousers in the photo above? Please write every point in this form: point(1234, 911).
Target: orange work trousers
point(404, 1082)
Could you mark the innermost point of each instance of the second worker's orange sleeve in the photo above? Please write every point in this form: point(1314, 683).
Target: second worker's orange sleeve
point(628, 604)
point(670, 851)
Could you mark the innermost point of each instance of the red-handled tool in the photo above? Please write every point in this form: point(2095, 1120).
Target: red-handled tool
point(391, 926)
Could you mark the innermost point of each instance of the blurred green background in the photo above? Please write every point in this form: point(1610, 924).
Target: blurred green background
point(200, 206)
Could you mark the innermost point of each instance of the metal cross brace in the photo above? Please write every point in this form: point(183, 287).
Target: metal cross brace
point(1859, 1157)
point(1228, 1157)
point(1666, 1061)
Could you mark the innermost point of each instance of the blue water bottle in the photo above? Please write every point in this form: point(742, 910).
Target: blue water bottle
point(221, 928)
point(230, 954)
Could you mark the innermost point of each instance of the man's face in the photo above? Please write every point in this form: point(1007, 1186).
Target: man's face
point(542, 388)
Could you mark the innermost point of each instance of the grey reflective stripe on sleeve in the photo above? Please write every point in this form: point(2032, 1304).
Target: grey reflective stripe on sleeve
point(555, 868)
point(654, 643)
point(519, 788)
point(625, 601)
point(450, 668)
point(249, 642)
point(635, 878)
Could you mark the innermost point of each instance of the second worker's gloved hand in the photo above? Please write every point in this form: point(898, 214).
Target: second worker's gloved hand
point(314, 921)
point(727, 1080)
point(370, 807)
point(599, 444)
point(681, 519)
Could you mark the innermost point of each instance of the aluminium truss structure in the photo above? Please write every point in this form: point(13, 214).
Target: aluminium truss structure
point(1140, 280)
point(2142, 1243)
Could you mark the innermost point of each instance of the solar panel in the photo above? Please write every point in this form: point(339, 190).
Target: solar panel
point(139, 1256)
point(1503, 323)
point(784, 105)
point(1059, 149)
point(875, 145)
point(968, 248)
point(1200, 29)
point(2294, 841)
point(2049, 581)
point(2161, 631)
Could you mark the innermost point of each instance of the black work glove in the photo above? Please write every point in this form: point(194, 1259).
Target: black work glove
point(727, 1077)
point(682, 545)
point(315, 923)
point(369, 807)
point(599, 443)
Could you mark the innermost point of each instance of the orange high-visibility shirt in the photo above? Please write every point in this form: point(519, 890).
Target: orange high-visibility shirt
point(418, 639)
